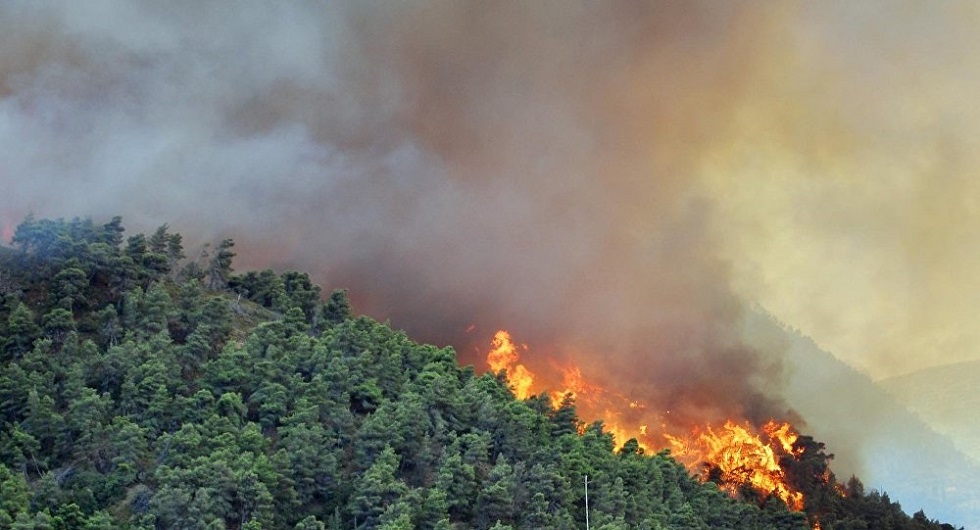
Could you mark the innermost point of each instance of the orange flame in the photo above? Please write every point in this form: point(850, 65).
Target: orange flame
point(784, 435)
point(574, 384)
point(733, 455)
point(738, 456)
point(503, 356)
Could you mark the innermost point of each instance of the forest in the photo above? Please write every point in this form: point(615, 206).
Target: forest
point(143, 389)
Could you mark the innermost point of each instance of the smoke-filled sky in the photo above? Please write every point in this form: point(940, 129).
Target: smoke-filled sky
point(613, 182)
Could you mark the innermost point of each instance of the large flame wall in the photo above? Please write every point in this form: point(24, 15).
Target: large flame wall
point(736, 454)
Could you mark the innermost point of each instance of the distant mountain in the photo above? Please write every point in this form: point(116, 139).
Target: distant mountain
point(872, 434)
point(946, 398)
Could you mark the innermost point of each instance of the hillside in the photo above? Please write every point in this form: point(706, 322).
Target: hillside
point(7, 255)
point(946, 398)
point(143, 391)
point(874, 435)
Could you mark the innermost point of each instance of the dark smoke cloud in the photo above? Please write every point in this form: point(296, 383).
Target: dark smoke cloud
point(611, 182)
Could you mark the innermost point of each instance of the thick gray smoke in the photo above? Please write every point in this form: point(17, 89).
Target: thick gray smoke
point(613, 183)
point(526, 166)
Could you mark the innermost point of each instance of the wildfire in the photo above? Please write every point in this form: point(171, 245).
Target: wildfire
point(732, 455)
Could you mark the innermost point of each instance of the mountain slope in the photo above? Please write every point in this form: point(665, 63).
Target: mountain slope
point(136, 394)
point(946, 398)
point(873, 435)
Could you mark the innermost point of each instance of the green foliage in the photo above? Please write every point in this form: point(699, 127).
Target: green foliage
point(219, 268)
point(21, 332)
point(69, 288)
point(337, 309)
point(58, 324)
point(136, 396)
point(15, 496)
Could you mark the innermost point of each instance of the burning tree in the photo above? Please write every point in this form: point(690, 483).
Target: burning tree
point(743, 462)
point(768, 465)
point(757, 464)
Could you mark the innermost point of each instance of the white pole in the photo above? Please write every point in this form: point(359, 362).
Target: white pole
point(586, 502)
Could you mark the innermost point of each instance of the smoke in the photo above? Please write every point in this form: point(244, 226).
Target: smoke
point(849, 182)
point(614, 183)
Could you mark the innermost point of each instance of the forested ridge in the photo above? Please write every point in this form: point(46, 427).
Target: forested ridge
point(142, 389)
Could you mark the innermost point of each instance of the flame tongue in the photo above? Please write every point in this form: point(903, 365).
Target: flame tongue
point(784, 435)
point(503, 356)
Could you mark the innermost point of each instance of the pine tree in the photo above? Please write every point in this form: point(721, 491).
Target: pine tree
point(375, 489)
point(219, 267)
point(21, 332)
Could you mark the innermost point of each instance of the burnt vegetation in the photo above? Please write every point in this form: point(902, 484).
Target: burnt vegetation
point(144, 390)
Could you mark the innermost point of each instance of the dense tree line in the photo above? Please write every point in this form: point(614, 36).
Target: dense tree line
point(141, 390)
